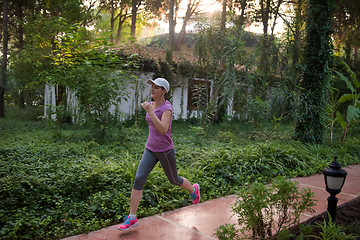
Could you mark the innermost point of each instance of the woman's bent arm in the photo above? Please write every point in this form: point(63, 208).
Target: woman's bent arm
point(162, 125)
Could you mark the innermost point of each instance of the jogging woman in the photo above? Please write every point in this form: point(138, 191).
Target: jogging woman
point(159, 147)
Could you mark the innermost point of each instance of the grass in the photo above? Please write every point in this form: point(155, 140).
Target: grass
point(56, 182)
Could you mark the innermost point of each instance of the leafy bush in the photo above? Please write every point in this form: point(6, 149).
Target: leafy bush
point(226, 232)
point(266, 210)
point(270, 212)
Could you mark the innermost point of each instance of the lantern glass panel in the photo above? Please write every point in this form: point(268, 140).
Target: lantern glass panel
point(335, 183)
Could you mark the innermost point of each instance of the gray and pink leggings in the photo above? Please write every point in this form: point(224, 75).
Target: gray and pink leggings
point(148, 162)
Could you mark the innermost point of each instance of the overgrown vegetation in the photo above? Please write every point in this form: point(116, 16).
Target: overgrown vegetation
point(316, 81)
point(54, 186)
point(264, 211)
point(273, 212)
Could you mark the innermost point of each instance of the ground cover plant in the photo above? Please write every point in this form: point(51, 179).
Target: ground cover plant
point(346, 225)
point(52, 185)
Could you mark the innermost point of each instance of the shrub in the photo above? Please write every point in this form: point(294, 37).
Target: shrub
point(266, 210)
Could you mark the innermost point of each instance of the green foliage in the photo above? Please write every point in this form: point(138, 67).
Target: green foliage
point(26, 66)
point(221, 53)
point(311, 116)
point(226, 232)
point(35, 26)
point(229, 60)
point(353, 110)
point(97, 76)
point(331, 231)
point(348, 103)
point(52, 189)
point(258, 207)
point(270, 212)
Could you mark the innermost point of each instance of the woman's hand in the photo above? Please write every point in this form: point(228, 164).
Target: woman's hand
point(147, 107)
point(161, 125)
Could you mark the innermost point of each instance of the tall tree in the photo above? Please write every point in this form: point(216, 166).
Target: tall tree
point(111, 6)
point(35, 27)
point(223, 15)
point(265, 17)
point(276, 13)
point(174, 6)
point(122, 16)
point(297, 30)
point(313, 97)
point(192, 7)
point(296, 34)
point(20, 16)
point(241, 4)
point(151, 8)
point(5, 39)
point(172, 24)
point(264, 12)
point(135, 4)
point(223, 31)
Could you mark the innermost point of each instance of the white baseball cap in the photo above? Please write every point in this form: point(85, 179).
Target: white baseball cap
point(162, 82)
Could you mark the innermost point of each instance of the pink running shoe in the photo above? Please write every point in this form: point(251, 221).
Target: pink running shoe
point(196, 194)
point(129, 223)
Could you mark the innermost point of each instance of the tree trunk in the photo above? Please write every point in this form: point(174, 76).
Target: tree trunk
point(242, 16)
point(181, 36)
point(276, 15)
point(5, 41)
point(112, 21)
point(21, 47)
point(136, 102)
point(316, 77)
point(223, 31)
point(134, 9)
point(123, 15)
point(191, 9)
point(345, 132)
point(219, 110)
point(348, 52)
point(297, 40)
point(172, 24)
point(21, 29)
point(265, 16)
point(223, 16)
point(118, 34)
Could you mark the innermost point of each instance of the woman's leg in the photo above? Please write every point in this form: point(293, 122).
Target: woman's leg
point(146, 165)
point(135, 200)
point(187, 185)
point(168, 163)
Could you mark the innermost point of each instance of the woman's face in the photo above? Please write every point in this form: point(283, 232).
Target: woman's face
point(157, 92)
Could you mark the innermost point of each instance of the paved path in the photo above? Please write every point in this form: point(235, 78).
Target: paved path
point(199, 222)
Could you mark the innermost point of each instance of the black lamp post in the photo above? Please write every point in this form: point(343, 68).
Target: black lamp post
point(334, 180)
